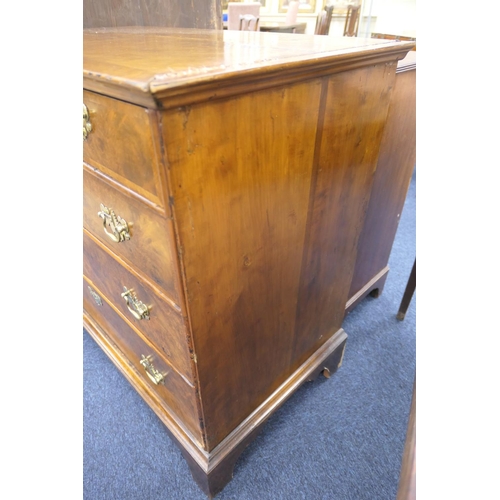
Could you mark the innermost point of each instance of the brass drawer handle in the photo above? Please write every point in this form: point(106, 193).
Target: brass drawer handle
point(155, 376)
point(119, 227)
point(87, 126)
point(138, 309)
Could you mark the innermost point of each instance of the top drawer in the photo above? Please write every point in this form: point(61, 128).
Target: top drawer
point(121, 144)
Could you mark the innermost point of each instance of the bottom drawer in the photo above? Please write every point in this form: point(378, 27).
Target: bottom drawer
point(178, 396)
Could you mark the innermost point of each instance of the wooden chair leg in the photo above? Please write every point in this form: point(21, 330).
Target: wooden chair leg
point(407, 489)
point(409, 291)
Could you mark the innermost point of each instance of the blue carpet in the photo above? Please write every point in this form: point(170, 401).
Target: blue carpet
point(336, 439)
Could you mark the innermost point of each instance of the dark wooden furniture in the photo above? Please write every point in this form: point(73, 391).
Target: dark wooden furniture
point(299, 28)
point(204, 14)
point(224, 197)
point(408, 293)
point(397, 38)
point(392, 178)
point(351, 24)
point(323, 21)
point(269, 26)
point(407, 489)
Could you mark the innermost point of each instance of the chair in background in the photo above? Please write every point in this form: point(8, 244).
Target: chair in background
point(249, 23)
point(237, 9)
point(352, 20)
point(323, 21)
point(293, 10)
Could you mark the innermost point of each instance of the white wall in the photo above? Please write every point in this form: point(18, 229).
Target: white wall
point(397, 17)
point(380, 16)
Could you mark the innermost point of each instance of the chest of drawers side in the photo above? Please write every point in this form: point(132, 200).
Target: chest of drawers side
point(270, 190)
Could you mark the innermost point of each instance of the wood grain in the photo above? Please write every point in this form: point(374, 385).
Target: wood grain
point(174, 13)
point(140, 65)
point(150, 249)
point(407, 489)
point(218, 470)
point(241, 197)
point(395, 166)
point(340, 192)
point(165, 328)
point(248, 188)
point(178, 398)
point(121, 144)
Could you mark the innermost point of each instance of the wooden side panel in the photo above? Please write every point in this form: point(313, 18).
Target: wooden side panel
point(355, 113)
point(394, 170)
point(240, 173)
point(170, 13)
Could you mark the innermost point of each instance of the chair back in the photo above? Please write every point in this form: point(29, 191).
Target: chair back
point(293, 10)
point(237, 9)
point(249, 23)
point(323, 21)
point(352, 20)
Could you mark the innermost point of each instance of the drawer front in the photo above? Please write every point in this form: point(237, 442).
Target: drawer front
point(150, 247)
point(121, 143)
point(164, 328)
point(179, 398)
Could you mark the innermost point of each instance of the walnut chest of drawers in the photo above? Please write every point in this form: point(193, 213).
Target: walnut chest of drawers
point(226, 180)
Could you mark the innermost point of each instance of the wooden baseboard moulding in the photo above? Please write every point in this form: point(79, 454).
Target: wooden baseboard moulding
point(212, 471)
point(376, 283)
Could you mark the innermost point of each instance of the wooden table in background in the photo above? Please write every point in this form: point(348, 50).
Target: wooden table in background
point(298, 28)
point(396, 37)
point(283, 27)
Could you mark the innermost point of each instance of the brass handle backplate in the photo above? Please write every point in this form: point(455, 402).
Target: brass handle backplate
point(155, 376)
point(138, 309)
point(87, 126)
point(120, 230)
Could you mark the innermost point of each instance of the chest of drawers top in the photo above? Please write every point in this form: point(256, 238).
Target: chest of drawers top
point(167, 67)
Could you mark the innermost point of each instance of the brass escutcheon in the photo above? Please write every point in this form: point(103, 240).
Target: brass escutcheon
point(134, 305)
point(155, 376)
point(95, 296)
point(119, 227)
point(87, 126)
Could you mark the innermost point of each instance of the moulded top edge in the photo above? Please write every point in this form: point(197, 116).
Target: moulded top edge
point(149, 60)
